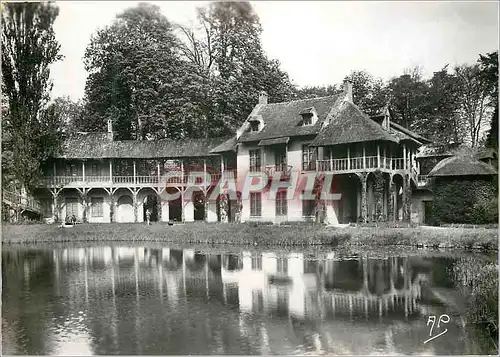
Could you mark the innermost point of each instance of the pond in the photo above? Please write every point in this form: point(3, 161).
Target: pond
point(168, 300)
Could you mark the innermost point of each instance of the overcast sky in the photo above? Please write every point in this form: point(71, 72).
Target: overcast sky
point(317, 43)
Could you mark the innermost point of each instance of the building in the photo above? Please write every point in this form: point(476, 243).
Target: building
point(369, 161)
point(327, 144)
point(98, 180)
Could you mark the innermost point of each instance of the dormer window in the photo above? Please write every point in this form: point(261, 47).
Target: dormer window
point(255, 123)
point(254, 126)
point(307, 120)
point(309, 117)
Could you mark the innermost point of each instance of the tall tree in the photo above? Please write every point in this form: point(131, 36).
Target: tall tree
point(439, 119)
point(488, 65)
point(136, 76)
point(474, 100)
point(317, 91)
point(369, 93)
point(30, 131)
point(70, 113)
point(408, 96)
point(226, 45)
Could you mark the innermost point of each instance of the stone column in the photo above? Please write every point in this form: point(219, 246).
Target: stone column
point(364, 201)
point(159, 207)
point(406, 199)
point(85, 203)
point(134, 197)
point(111, 208)
point(390, 201)
point(223, 208)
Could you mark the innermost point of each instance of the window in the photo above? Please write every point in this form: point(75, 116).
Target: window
point(307, 208)
point(282, 265)
point(254, 160)
point(96, 204)
point(281, 203)
point(71, 170)
point(308, 158)
point(254, 125)
point(256, 261)
point(307, 119)
point(94, 170)
point(280, 159)
point(71, 206)
point(255, 204)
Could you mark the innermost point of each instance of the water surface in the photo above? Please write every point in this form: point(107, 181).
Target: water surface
point(140, 300)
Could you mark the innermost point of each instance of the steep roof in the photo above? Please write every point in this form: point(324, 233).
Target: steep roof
point(461, 166)
point(410, 134)
point(283, 119)
point(351, 125)
point(228, 145)
point(99, 146)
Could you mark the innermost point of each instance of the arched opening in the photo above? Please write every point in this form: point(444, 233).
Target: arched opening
point(199, 205)
point(174, 205)
point(150, 203)
point(125, 209)
point(398, 199)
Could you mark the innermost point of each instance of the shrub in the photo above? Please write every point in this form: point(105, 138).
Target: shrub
point(471, 201)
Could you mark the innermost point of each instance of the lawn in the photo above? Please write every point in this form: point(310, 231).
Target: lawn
point(257, 235)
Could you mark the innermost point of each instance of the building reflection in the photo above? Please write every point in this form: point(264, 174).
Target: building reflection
point(185, 301)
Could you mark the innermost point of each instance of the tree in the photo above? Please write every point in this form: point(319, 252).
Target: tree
point(369, 93)
point(30, 131)
point(488, 65)
point(70, 114)
point(136, 76)
point(317, 91)
point(226, 47)
point(474, 100)
point(439, 118)
point(408, 96)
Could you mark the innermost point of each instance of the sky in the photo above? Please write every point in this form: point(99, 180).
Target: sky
point(317, 43)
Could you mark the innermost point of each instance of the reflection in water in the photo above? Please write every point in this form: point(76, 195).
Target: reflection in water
point(135, 300)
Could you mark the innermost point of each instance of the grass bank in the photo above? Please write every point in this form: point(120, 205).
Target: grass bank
point(257, 235)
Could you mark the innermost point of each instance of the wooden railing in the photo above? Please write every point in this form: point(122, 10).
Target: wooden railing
point(285, 170)
point(362, 163)
point(21, 201)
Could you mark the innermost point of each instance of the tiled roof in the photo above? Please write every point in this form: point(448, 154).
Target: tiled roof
point(409, 133)
point(283, 119)
point(266, 142)
point(97, 145)
point(351, 125)
point(461, 166)
point(228, 145)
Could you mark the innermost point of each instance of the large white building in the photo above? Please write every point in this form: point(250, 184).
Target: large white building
point(323, 143)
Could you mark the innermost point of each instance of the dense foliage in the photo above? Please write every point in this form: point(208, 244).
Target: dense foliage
point(472, 201)
point(31, 129)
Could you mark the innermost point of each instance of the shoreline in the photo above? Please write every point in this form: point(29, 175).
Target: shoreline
point(257, 235)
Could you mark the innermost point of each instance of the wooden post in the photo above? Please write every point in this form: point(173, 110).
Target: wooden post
point(55, 171)
point(83, 170)
point(331, 160)
point(158, 168)
point(221, 165)
point(182, 193)
point(135, 178)
point(348, 157)
point(385, 157)
point(364, 156)
point(404, 156)
point(378, 156)
point(111, 170)
point(204, 170)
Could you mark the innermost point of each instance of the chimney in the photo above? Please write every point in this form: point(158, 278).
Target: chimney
point(348, 90)
point(262, 97)
point(110, 129)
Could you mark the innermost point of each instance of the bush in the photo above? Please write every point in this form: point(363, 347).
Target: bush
point(471, 201)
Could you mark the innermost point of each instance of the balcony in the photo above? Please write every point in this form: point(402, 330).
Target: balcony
point(362, 164)
point(284, 169)
point(23, 202)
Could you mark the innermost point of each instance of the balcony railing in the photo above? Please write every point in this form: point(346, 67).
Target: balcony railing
point(360, 163)
point(22, 201)
point(285, 170)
